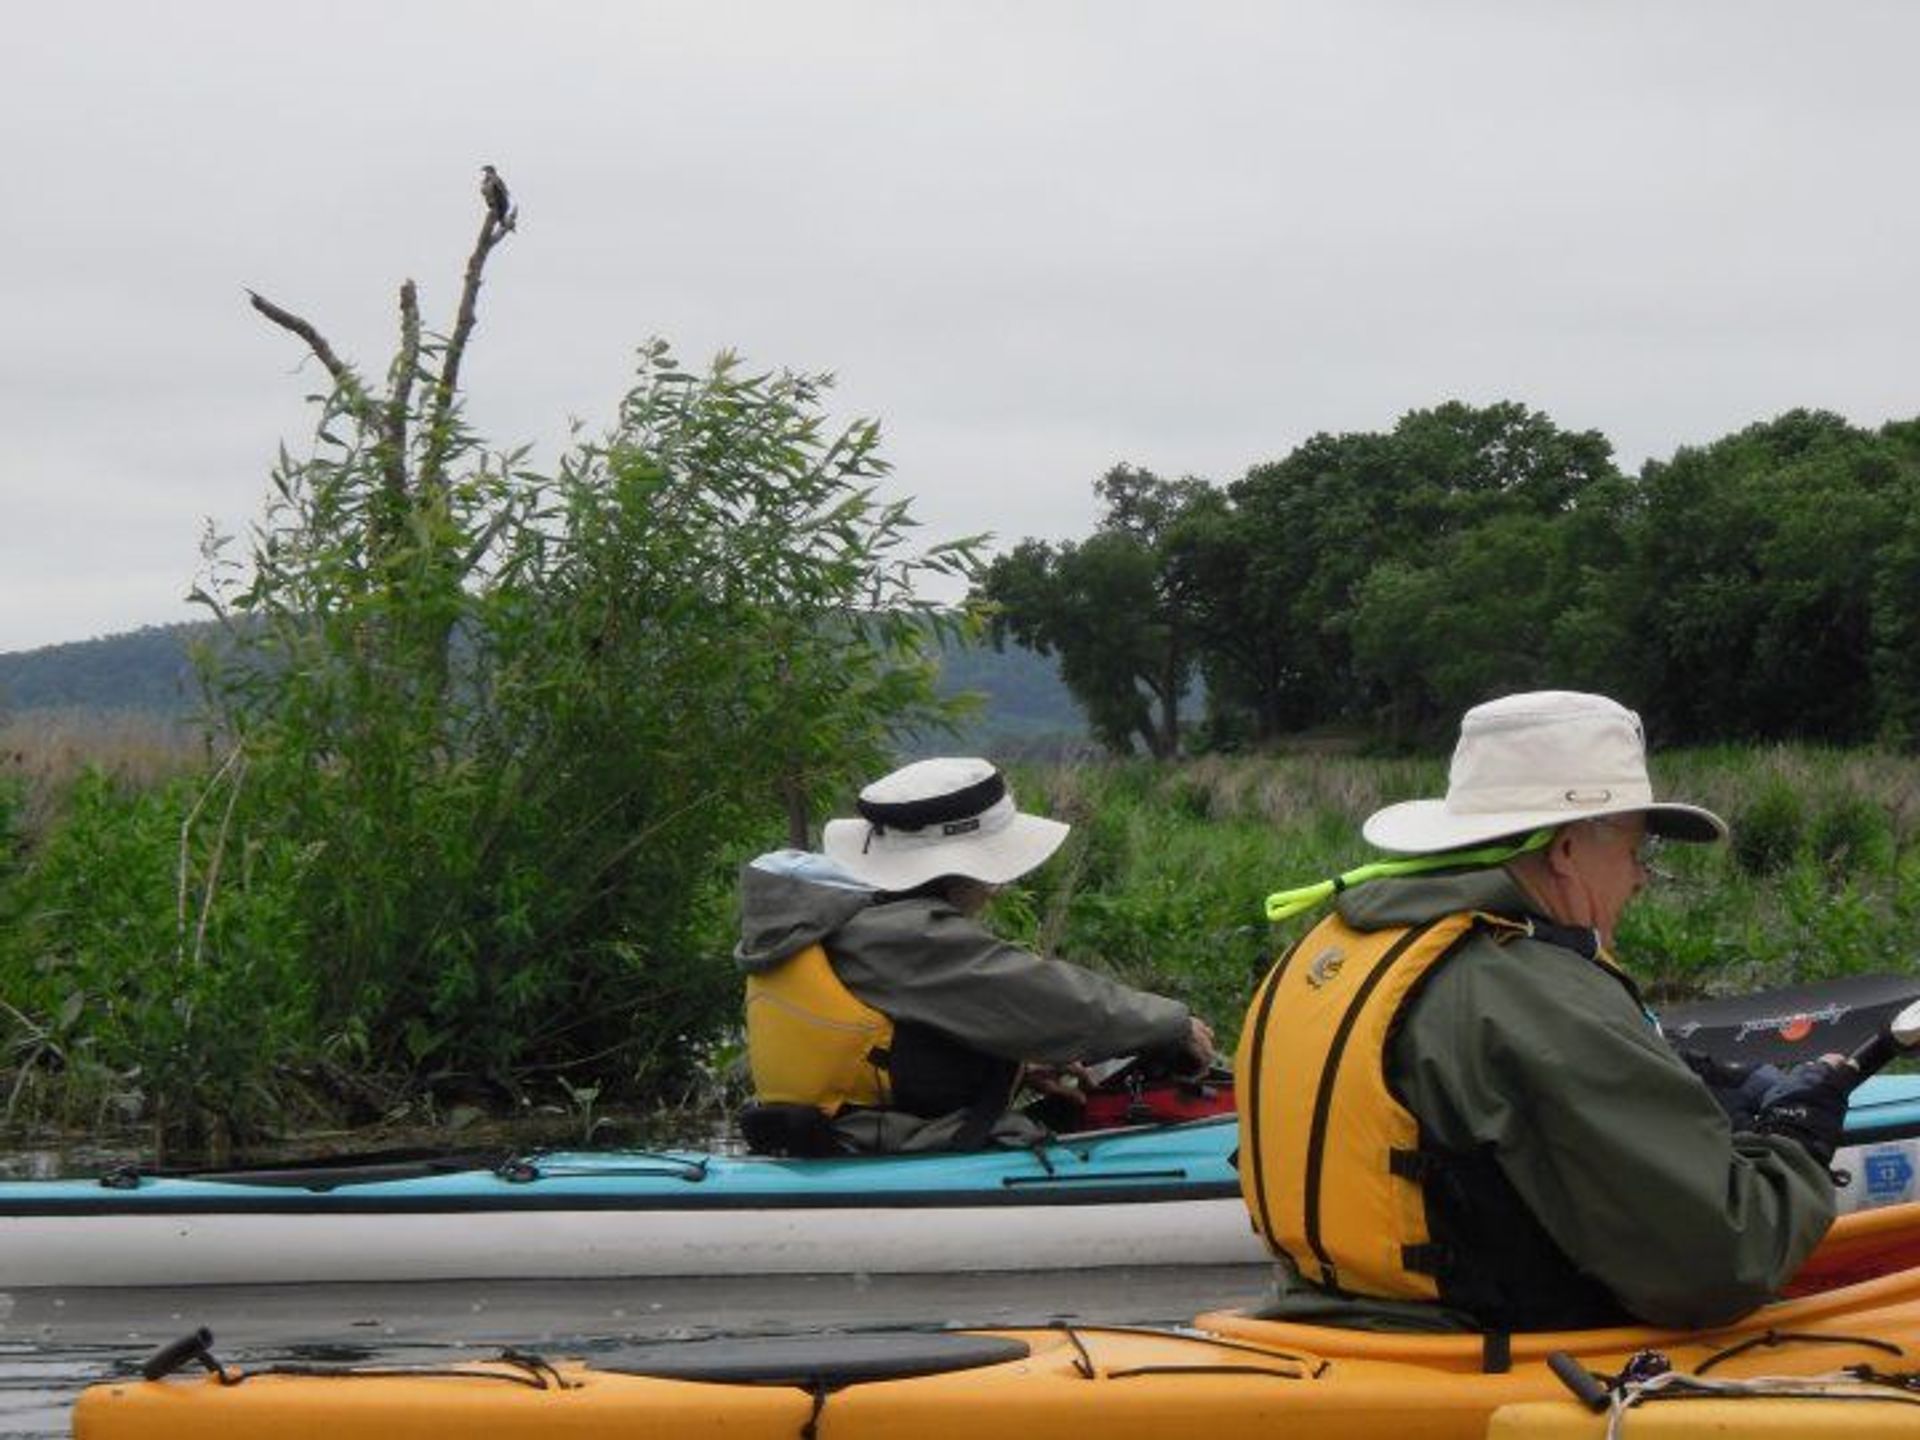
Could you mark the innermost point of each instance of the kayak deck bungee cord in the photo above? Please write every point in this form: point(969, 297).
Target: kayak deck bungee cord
point(1839, 1361)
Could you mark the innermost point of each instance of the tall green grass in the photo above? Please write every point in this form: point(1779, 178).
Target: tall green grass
point(1164, 877)
point(124, 998)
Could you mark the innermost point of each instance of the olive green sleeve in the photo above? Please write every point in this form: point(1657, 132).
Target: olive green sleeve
point(1612, 1142)
point(924, 961)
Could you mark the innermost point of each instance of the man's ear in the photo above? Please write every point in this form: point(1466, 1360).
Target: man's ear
point(1559, 851)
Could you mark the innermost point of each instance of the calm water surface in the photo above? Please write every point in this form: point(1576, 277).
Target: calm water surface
point(54, 1342)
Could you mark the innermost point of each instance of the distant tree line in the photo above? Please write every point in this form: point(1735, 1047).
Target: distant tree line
point(1765, 586)
point(149, 669)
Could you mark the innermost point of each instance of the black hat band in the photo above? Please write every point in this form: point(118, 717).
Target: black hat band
point(965, 804)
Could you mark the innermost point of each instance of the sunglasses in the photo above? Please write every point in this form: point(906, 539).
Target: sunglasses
point(1646, 850)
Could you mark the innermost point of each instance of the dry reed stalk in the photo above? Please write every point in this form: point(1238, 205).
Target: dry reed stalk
point(44, 751)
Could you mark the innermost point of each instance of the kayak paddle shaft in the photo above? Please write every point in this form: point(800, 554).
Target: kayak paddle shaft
point(1901, 1035)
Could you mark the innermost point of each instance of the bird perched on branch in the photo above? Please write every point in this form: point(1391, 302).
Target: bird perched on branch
point(494, 191)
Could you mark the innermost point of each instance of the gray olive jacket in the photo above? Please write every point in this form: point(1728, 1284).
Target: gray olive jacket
point(919, 959)
point(1536, 1054)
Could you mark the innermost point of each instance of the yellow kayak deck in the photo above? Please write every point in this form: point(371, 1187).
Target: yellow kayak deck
point(1231, 1376)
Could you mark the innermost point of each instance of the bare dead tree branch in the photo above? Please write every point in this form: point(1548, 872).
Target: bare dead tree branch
point(343, 376)
point(399, 395)
point(493, 229)
point(477, 551)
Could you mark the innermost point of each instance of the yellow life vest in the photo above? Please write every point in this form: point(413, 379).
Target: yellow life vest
point(1328, 1154)
point(812, 1041)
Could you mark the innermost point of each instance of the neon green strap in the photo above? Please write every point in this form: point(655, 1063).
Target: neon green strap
point(1284, 904)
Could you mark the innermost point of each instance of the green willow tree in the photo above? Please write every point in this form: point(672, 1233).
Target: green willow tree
point(519, 728)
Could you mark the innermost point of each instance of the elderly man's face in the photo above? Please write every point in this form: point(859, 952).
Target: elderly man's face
point(1605, 869)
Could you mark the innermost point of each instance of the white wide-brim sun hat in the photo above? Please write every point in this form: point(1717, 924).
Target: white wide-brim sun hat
point(946, 816)
point(1532, 761)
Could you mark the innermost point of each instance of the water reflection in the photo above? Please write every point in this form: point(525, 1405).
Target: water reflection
point(58, 1164)
point(507, 1135)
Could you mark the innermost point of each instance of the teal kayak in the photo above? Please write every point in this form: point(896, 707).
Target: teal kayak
point(1156, 1195)
point(1152, 1195)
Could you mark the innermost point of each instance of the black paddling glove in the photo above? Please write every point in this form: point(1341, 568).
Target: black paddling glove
point(1809, 1105)
point(1739, 1086)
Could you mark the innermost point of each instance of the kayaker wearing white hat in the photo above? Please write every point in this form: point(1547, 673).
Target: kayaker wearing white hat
point(1456, 1113)
point(881, 1014)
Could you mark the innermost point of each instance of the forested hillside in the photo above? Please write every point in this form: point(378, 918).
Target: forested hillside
point(1024, 707)
point(146, 669)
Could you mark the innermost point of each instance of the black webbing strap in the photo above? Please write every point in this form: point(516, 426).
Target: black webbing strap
point(1496, 1352)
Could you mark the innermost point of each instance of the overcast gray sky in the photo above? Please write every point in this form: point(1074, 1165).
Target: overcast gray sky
point(1033, 238)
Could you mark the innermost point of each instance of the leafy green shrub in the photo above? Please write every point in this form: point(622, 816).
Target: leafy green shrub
point(522, 732)
point(1769, 829)
point(140, 993)
point(12, 840)
point(1191, 798)
point(1836, 930)
point(1101, 846)
point(1850, 833)
point(1694, 931)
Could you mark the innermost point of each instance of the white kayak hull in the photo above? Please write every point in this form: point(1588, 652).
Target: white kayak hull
point(268, 1249)
point(1152, 1196)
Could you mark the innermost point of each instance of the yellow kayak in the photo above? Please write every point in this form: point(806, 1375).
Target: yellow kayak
point(1832, 1361)
point(1831, 1414)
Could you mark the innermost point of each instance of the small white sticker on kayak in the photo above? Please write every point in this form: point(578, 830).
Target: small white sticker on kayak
point(1878, 1175)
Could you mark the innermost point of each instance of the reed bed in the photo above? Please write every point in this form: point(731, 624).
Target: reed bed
point(42, 753)
point(1166, 873)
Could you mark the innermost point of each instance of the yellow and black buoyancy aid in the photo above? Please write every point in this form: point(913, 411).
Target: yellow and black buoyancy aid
point(812, 1041)
point(1336, 1171)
